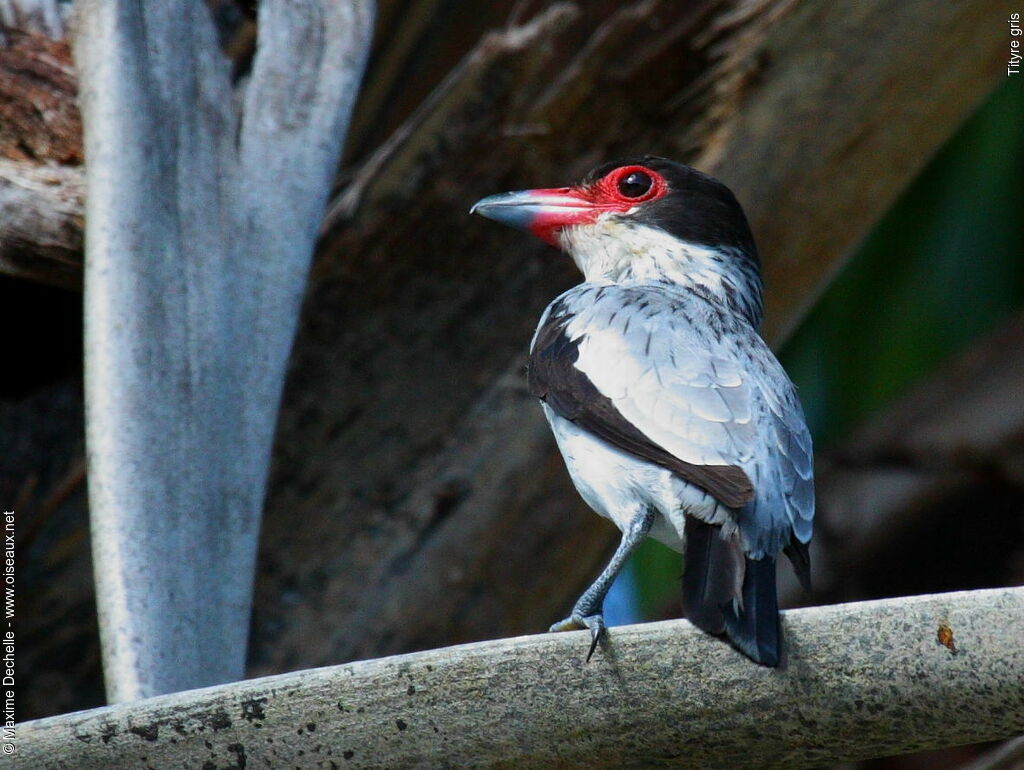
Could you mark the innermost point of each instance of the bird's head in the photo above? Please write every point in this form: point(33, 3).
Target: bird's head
point(645, 219)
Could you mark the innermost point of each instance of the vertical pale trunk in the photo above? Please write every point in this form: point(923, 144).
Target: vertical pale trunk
point(202, 211)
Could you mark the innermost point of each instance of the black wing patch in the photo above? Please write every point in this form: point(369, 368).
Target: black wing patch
point(569, 392)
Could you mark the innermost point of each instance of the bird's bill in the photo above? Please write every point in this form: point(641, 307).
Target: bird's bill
point(540, 212)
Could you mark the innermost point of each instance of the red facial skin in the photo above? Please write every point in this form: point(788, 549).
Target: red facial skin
point(583, 205)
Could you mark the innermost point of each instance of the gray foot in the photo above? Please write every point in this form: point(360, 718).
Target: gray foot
point(578, 621)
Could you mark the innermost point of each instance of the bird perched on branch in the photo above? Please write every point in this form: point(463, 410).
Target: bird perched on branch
point(674, 418)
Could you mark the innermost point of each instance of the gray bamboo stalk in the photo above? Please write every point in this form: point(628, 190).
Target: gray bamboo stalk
point(859, 680)
point(201, 216)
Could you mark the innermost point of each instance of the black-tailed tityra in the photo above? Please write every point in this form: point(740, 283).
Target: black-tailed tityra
point(674, 418)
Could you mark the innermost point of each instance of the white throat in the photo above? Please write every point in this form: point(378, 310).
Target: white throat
point(615, 250)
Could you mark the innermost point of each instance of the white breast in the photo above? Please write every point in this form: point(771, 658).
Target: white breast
point(618, 485)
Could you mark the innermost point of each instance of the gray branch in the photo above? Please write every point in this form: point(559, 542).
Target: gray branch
point(201, 218)
point(41, 211)
point(859, 680)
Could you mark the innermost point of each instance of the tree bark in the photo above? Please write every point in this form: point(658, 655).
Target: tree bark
point(202, 218)
point(858, 681)
point(42, 190)
point(43, 16)
point(42, 207)
point(410, 338)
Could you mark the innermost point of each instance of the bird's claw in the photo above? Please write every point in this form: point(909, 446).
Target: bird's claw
point(576, 622)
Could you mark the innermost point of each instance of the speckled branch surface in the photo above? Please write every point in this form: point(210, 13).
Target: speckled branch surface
point(859, 680)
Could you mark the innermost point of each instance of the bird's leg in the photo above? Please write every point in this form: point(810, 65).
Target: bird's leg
point(588, 612)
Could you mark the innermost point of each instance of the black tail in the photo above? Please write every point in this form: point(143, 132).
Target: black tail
point(755, 628)
point(800, 555)
point(718, 579)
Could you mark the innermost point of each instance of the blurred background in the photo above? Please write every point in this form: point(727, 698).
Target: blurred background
point(416, 497)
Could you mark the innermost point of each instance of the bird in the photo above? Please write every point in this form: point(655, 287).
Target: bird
point(673, 416)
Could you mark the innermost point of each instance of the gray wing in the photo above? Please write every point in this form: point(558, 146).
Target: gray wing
point(555, 379)
point(703, 387)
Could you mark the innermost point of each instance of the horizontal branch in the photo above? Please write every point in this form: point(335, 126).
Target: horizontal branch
point(860, 680)
point(41, 208)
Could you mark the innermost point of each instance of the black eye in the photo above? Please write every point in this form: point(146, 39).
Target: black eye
point(635, 184)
